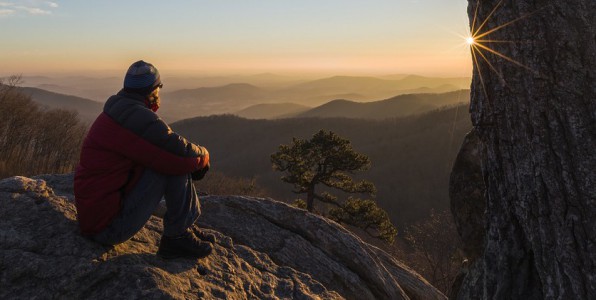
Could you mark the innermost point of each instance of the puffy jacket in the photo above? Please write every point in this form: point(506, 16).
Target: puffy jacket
point(126, 138)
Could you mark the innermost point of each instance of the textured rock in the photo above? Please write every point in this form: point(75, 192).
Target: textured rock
point(466, 193)
point(468, 205)
point(534, 107)
point(42, 255)
point(314, 245)
point(265, 250)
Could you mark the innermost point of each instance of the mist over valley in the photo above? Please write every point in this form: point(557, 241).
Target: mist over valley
point(287, 96)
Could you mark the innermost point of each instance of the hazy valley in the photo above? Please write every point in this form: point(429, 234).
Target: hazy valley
point(87, 109)
point(411, 138)
point(187, 97)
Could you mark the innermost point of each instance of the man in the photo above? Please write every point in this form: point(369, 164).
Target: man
point(131, 159)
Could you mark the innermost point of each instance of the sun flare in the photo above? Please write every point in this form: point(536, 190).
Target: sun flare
point(481, 44)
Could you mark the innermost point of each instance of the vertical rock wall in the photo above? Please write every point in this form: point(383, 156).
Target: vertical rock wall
point(534, 107)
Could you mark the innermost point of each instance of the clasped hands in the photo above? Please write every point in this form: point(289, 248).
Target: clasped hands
point(204, 166)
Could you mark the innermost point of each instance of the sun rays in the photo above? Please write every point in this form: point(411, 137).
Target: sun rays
point(480, 42)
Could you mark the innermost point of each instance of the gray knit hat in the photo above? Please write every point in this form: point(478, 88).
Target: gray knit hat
point(142, 77)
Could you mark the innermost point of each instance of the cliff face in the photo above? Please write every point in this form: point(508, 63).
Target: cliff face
point(467, 195)
point(533, 105)
point(265, 250)
point(468, 205)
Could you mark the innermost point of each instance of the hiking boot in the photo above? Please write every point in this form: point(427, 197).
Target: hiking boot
point(208, 237)
point(184, 245)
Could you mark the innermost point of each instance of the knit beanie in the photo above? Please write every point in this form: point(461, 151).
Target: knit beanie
point(141, 77)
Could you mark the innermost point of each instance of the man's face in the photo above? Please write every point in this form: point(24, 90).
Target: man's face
point(154, 98)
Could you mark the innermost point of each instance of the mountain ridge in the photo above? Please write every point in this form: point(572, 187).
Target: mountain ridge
point(271, 110)
point(398, 106)
point(394, 107)
point(234, 97)
point(87, 109)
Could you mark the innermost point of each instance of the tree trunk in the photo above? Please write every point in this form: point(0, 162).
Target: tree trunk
point(535, 113)
point(310, 199)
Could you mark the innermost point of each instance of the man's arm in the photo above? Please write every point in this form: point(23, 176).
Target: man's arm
point(134, 116)
point(156, 131)
point(141, 151)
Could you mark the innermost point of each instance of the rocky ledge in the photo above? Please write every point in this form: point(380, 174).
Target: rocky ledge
point(265, 250)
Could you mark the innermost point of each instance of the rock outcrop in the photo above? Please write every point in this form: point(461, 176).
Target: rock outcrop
point(468, 204)
point(265, 250)
point(467, 196)
point(533, 104)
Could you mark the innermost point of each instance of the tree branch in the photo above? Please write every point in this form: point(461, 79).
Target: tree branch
point(326, 200)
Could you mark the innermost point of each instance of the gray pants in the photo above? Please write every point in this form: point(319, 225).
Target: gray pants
point(182, 203)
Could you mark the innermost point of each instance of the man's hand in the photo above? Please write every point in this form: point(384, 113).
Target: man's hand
point(204, 157)
point(198, 175)
point(204, 166)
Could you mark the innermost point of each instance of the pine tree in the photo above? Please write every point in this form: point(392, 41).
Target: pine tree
point(330, 160)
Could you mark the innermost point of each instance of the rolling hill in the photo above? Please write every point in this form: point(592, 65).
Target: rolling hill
point(87, 109)
point(370, 88)
point(209, 100)
point(94, 88)
point(184, 103)
point(416, 81)
point(272, 111)
point(399, 106)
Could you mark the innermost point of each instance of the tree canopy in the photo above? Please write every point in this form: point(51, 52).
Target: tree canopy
point(330, 160)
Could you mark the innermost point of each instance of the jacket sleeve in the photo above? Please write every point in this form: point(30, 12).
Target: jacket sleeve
point(134, 116)
point(141, 151)
point(157, 132)
point(153, 157)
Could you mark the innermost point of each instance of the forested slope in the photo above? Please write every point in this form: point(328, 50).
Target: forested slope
point(411, 157)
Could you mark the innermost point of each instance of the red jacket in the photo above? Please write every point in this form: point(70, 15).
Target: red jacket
point(112, 160)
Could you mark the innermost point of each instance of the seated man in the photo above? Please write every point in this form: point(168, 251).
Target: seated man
point(131, 159)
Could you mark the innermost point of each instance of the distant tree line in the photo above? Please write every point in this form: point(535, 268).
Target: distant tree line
point(34, 140)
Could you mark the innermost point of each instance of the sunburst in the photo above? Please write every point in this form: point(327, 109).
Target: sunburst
point(479, 42)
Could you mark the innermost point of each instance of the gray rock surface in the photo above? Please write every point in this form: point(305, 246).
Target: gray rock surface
point(467, 196)
point(42, 255)
point(314, 245)
point(265, 250)
point(534, 108)
point(468, 204)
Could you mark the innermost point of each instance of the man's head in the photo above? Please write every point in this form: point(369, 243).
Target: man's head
point(143, 78)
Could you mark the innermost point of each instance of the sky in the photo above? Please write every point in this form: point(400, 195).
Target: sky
point(340, 37)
